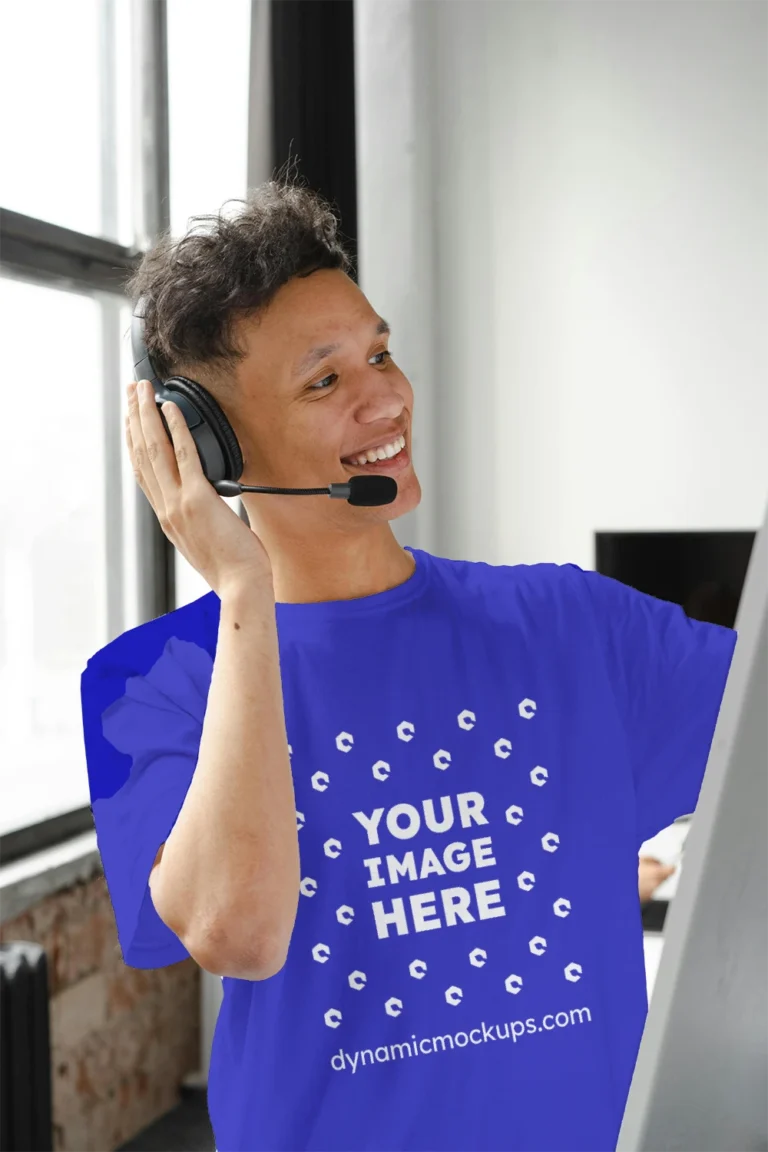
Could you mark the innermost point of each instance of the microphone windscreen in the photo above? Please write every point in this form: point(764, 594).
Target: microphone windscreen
point(369, 491)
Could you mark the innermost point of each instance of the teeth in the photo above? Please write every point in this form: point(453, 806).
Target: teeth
point(386, 452)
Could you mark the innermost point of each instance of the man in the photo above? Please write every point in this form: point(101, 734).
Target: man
point(365, 784)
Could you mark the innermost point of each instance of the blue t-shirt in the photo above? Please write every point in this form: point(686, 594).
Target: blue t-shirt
point(475, 754)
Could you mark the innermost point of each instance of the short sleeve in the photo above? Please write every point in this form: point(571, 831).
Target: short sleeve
point(668, 674)
point(142, 736)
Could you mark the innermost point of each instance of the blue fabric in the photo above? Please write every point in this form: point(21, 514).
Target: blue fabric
point(478, 755)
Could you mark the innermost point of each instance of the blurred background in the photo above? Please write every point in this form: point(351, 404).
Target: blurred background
point(559, 206)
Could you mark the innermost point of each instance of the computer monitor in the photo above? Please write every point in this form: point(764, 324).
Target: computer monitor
point(704, 572)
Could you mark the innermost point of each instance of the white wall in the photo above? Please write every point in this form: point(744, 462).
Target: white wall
point(597, 183)
point(394, 173)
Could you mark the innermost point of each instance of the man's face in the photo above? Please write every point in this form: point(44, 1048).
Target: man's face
point(302, 409)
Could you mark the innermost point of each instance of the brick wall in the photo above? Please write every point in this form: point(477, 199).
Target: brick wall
point(122, 1039)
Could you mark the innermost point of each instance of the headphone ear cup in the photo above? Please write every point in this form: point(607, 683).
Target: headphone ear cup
point(217, 446)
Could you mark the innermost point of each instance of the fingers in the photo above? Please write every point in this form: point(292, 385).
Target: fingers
point(653, 864)
point(159, 448)
point(143, 467)
point(183, 446)
point(162, 464)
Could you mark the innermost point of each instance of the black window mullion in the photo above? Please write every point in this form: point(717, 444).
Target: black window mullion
point(50, 253)
point(313, 100)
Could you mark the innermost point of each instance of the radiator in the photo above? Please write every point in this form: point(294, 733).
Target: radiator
point(25, 1050)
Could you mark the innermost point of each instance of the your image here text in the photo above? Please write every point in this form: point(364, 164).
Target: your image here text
point(440, 908)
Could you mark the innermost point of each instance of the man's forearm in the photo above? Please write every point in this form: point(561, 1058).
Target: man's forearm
point(228, 880)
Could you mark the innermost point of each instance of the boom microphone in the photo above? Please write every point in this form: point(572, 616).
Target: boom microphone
point(363, 491)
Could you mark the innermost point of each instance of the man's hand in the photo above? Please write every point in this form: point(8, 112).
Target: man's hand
point(651, 873)
point(209, 534)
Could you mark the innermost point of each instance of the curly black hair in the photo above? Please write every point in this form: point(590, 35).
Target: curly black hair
point(229, 267)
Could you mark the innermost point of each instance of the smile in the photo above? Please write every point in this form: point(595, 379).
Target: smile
point(383, 452)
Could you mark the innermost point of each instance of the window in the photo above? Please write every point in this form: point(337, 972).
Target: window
point(207, 120)
point(52, 545)
point(68, 576)
point(207, 106)
point(80, 561)
point(77, 184)
point(66, 142)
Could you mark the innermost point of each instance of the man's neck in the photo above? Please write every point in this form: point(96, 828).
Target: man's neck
point(345, 567)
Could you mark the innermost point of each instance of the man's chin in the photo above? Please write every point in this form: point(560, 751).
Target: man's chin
point(408, 497)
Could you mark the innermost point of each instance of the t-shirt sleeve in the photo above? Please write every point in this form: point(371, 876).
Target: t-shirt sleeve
point(668, 673)
point(142, 722)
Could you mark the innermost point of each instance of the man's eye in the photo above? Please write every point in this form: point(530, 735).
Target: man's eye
point(321, 385)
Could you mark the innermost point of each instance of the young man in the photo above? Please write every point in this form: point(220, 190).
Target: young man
point(364, 784)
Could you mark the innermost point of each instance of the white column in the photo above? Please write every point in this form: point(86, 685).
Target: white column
point(394, 191)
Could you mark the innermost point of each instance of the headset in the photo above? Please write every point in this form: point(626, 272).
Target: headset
point(220, 456)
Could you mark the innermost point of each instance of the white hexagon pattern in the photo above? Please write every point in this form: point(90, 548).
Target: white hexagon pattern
point(381, 770)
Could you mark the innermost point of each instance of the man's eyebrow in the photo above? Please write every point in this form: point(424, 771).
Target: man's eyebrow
point(315, 355)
